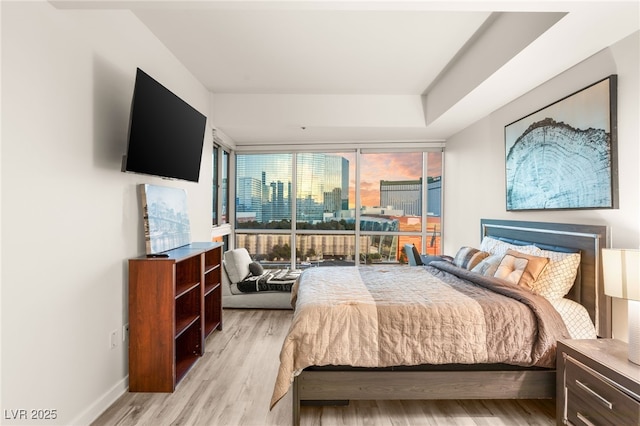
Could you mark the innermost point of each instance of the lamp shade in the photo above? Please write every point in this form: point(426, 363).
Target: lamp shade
point(621, 271)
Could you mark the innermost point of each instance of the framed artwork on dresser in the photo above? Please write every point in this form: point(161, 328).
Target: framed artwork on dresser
point(166, 218)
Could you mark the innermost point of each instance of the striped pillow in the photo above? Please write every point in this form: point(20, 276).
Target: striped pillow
point(488, 266)
point(468, 257)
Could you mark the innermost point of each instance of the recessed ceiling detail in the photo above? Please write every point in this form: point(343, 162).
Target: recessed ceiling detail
point(371, 70)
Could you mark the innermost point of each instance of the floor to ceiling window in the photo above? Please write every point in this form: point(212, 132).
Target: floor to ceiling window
point(320, 209)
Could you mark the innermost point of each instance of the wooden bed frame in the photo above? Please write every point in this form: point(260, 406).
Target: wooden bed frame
point(318, 385)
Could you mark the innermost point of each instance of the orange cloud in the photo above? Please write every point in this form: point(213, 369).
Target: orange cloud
point(390, 166)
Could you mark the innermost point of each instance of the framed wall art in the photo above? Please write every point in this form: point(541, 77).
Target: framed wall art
point(166, 218)
point(563, 156)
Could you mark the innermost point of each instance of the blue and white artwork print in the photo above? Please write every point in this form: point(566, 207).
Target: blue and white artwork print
point(562, 156)
point(166, 218)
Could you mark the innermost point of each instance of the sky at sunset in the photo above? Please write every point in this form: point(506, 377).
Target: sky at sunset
point(388, 166)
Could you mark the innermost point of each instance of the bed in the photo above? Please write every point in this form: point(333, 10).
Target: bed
point(462, 371)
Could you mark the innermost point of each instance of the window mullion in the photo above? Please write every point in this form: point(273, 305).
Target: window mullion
point(215, 186)
point(357, 212)
point(424, 203)
point(294, 207)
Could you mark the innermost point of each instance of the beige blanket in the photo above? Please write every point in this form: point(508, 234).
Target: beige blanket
point(380, 316)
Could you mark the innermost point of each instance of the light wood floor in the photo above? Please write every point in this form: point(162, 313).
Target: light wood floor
point(232, 384)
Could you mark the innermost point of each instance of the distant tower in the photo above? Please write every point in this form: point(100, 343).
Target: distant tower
point(403, 195)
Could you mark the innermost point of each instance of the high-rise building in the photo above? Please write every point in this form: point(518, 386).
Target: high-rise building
point(322, 184)
point(405, 195)
point(345, 184)
point(249, 196)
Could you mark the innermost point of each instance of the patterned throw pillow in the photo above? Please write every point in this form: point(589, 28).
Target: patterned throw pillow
point(469, 257)
point(558, 278)
point(521, 269)
point(511, 268)
point(488, 265)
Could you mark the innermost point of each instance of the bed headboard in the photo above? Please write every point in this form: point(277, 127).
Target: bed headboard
point(588, 289)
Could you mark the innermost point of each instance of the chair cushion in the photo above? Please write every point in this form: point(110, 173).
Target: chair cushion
point(236, 263)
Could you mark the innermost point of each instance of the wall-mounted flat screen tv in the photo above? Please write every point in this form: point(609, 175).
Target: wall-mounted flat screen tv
point(166, 134)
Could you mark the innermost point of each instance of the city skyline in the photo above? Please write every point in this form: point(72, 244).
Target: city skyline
point(374, 168)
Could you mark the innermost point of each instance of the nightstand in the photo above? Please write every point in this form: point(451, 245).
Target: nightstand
point(596, 384)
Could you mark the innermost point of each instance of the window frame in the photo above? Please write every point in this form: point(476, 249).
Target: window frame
point(221, 160)
point(221, 230)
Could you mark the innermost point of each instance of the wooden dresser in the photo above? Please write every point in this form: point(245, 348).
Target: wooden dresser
point(175, 302)
point(597, 384)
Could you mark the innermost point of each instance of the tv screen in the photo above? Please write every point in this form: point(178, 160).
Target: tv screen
point(166, 134)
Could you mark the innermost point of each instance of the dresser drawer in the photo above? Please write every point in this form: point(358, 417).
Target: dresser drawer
point(592, 399)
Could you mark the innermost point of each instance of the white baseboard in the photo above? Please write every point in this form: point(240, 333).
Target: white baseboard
point(101, 404)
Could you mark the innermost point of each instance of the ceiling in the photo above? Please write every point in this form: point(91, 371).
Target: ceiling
point(333, 72)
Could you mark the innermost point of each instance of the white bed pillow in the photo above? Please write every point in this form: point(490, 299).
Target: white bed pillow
point(496, 247)
point(559, 275)
point(236, 263)
point(576, 318)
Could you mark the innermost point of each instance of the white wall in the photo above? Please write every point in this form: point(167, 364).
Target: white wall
point(70, 218)
point(474, 160)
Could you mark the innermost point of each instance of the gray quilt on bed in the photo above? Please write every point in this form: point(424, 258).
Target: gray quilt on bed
point(380, 316)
